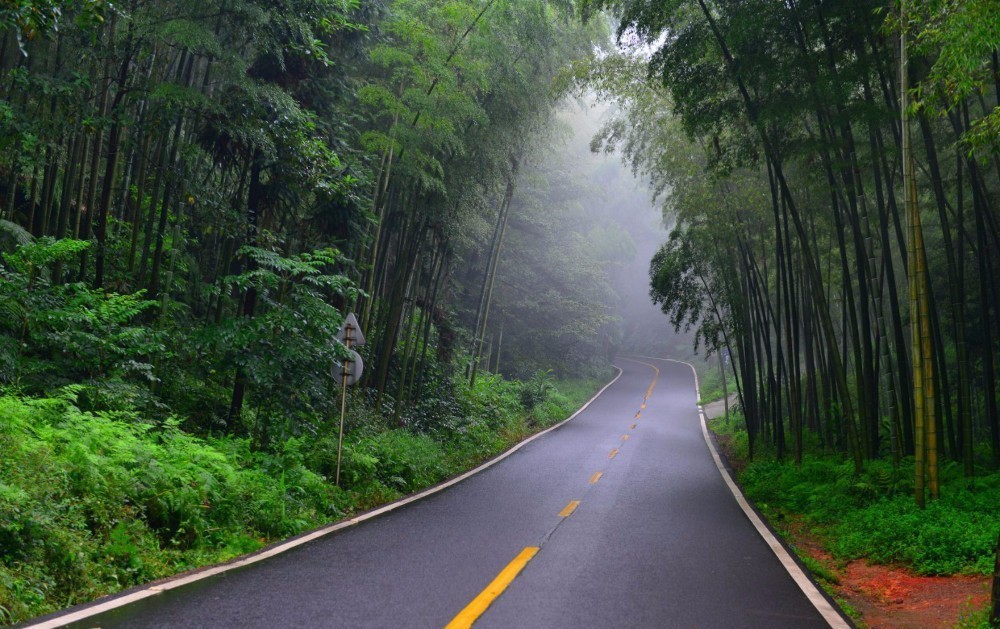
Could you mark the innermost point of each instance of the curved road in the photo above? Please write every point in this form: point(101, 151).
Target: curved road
point(620, 518)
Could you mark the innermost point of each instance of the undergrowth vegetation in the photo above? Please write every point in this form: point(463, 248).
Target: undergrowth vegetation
point(872, 515)
point(93, 502)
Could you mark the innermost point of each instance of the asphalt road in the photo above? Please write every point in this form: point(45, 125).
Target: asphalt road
point(656, 540)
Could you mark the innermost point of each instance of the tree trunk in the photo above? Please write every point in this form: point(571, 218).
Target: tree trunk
point(140, 196)
point(101, 230)
point(811, 269)
point(164, 206)
point(402, 275)
point(956, 293)
point(492, 268)
point(69, 184)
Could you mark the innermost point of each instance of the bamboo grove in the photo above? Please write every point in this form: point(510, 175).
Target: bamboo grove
point(855, 289)
point(222, 180)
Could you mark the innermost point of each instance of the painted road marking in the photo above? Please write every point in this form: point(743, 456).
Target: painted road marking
point(569, 509)
point(596, 477)
point(475, 609)
point(656, 376)
point(613, 453)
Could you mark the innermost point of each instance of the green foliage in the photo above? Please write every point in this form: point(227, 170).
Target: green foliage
point(93, 502)
point(32, 19)
point(819, 570)
point(963, 36)
point(492, 400)
point(14, 233)
point(32, 259)
point(402, 460)
point(948, 537)
point(872, 516)
point(96, 331)
point(734, 432)
point(536, 390)
point(63, 333)
point(285, 349)
point(972, 618)
point(564, 398)
point(961, 39)
point(710, 382)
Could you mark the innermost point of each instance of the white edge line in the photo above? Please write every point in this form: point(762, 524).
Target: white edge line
point(819, 601)
point(163, 586)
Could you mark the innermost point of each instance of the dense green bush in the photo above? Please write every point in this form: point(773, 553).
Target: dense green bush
point(537, 389)
point(946, 538)
point(873, 515)
point(92, 502)
point(492, 400)
point(403, 460)
point(55, 334)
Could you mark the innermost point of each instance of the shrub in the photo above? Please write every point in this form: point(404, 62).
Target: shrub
point(942, 539)
point(404, 460)
point(873, 515)
point(492, 400)
point(93, 502)
point(537, 389)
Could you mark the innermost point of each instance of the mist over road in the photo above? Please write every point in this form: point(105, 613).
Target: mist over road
point(617, 519)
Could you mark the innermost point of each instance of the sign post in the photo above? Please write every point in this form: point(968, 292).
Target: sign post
point(348, 373)
point(723, 363)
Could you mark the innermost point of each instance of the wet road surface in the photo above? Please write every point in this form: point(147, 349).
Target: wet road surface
point(619, 518)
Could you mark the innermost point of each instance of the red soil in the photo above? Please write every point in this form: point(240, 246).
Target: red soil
point(888, 596)
point(891, 597)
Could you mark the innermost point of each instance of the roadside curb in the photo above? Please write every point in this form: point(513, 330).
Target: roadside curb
point(819, 599)
point(127, 597)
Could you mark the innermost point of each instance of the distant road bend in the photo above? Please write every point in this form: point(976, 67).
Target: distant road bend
point(620, 518)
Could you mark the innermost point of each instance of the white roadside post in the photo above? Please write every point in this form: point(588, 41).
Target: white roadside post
point(348, 374)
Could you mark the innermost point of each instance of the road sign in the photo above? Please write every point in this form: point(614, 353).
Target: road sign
point(350, 333)
point(347, 373)
point(351, 369)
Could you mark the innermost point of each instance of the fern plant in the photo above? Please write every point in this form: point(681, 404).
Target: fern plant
point(285, 350)
point(58, 333)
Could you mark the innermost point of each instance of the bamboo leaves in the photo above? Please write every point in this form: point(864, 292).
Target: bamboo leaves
point(770, 94)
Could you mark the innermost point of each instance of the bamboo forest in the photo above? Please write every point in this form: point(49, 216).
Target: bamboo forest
point(511, 200)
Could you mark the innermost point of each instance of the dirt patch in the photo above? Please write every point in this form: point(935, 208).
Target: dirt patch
point(883, 596)
point(892, 596)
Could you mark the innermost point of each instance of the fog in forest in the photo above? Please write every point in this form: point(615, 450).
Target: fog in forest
point(567, 194)
point(626, 199)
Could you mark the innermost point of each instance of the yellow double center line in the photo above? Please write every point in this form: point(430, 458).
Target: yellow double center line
point(479, 605)
point(569, 509)
point(475, 609)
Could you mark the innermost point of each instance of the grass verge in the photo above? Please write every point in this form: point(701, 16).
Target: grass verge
point(872, 516)
point(92, 503)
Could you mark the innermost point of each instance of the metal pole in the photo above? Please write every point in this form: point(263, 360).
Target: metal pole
point(725, 389)
point(343, 402)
